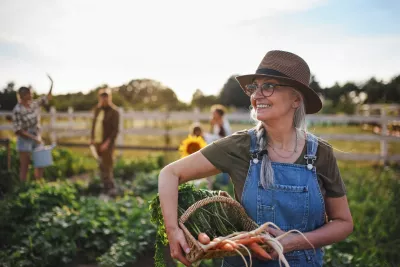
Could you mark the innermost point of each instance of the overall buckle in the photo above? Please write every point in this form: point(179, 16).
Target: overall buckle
point(308, 158)
point(257, 156)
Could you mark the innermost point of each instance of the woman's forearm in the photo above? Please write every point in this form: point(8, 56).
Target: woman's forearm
point(168, 193)
point(25, 134)
point(332, 232)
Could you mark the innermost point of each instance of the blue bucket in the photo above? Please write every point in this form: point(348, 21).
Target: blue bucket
point(42, 156)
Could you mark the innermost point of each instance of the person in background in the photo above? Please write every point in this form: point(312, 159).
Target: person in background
point(26, 125)
point(220, 126)
point(196, 130)
point(103, 134)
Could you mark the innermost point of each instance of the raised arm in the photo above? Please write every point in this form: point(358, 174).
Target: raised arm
point(49, 94)
point(189, 168)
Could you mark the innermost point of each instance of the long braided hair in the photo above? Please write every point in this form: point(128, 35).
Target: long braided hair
point(267, 173)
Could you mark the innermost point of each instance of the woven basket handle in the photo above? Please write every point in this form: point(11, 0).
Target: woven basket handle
point(185, 216)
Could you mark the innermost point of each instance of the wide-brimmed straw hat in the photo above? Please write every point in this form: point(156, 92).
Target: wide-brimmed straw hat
point(289, 68)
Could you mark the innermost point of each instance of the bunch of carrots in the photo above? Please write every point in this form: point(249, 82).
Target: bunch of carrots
point(252, 240)
point(253, 243)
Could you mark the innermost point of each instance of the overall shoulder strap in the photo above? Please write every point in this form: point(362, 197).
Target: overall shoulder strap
point(253, 143)
point(312, 146)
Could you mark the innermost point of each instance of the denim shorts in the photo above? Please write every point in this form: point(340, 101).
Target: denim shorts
point(26, 144)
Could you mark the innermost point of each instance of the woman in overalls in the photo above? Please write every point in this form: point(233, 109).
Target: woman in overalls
point(281, 173)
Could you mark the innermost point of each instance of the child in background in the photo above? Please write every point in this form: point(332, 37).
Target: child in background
point(196, 130)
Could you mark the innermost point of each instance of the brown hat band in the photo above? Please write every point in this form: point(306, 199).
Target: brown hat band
point(271, 72)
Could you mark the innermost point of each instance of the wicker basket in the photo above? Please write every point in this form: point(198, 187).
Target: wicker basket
point(196, 252)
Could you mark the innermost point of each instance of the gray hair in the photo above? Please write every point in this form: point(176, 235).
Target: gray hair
point(299, 122)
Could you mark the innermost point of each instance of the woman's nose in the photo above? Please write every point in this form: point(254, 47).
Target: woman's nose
point(257, 94)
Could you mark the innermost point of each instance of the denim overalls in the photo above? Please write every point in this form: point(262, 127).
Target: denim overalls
point(294, 201)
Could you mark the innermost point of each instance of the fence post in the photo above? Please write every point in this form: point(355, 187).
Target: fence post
point(70, 117)
point(146, 121)
point(196, 111)
point(8, 155)
point(384, 133)
point(53, 118)
point(120, 138)
point(167, 137)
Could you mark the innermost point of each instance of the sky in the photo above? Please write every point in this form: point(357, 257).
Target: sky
point(189, 45)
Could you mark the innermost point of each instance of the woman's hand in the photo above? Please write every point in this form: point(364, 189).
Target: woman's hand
point(38, 140)
point(178, 245)
point(289, 242)
point(213, 121)
point(104, 146)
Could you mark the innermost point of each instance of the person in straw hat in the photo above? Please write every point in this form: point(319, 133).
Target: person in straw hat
point(281, 173)
point(104, 131)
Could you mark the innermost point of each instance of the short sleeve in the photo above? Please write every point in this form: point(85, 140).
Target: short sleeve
point(229, 152)
point(330, 175)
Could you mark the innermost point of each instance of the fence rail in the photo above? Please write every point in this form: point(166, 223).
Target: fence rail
point(69, 124)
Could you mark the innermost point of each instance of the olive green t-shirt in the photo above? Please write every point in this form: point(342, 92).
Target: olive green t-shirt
point(231, 155)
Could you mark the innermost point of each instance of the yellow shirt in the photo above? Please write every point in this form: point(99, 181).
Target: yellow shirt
point(98, 128)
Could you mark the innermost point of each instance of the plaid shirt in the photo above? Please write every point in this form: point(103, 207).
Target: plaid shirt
point(28, 118)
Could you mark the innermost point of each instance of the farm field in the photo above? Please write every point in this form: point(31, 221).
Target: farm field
point(67, 223)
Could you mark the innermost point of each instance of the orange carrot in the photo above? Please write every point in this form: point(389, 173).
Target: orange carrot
point(260, 251)
point(248, 241)
point(215, 243)
point(227, 247)
point(203, 238)
point(221, 244)
point(234, 245)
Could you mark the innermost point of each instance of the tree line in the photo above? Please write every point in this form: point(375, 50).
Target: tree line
point(149, 94)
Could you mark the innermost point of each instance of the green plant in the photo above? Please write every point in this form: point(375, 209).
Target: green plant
point(211, 219)
point(127, 169)
point(8, 177)
point(86, 231)
point(28, 202)
point(66, 164)
point(373, 199)
point(129, 247)
point(143, 185)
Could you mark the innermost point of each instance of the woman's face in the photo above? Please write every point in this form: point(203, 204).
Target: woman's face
point(216, 115)
point(282, 103)
point(27, 96)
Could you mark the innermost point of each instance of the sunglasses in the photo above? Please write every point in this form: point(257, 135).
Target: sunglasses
point(267, 89)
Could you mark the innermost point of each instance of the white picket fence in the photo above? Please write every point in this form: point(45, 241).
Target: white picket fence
point(74, 124)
